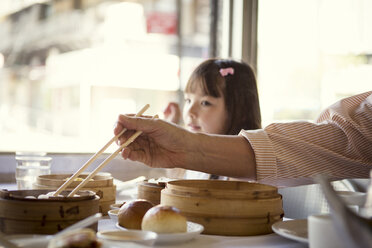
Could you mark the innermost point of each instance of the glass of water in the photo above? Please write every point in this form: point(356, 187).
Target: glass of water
point(29, 168)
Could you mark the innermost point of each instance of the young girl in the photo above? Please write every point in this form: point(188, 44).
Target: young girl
point(217, 96)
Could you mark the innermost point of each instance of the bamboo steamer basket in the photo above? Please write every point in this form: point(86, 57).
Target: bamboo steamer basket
point(150, 191)
point(102, 185)
point(232, 208)
point(19, 215)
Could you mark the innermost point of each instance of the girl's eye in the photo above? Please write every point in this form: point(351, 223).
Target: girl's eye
point(187, 100)
point(205, 103)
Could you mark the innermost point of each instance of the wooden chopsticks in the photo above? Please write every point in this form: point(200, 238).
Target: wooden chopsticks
point(108, 159)
point(94, 157)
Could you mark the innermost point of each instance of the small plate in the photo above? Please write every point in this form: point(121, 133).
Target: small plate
point(136, 236)
point(292, 229)
point(193, 229)
point(113, 215)
point(30, 240)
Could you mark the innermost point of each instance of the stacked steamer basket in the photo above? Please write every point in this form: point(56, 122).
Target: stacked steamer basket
point(102, 184)
point(21, 215)
point(150, 191)
point(231, 208)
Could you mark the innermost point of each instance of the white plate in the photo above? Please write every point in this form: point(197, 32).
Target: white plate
point(292, 229)
point(30, 240)
point(193, 229)
point(42, 241)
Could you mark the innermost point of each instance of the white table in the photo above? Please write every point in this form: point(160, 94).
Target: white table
point(262, 241)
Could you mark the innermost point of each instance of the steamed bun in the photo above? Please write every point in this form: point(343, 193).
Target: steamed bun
point(131, 213)
point(164, 219)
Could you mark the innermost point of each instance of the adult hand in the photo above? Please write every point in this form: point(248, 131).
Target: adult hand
point(161, 144)
point(172, 113)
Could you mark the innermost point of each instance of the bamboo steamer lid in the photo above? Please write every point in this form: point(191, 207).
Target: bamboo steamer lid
point(223, 189)
point(19, 215)
point(102, 184)
point(246, 208)
point(56, 180)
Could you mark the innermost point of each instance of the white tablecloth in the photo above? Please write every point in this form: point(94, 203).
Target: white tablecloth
point(262, 241)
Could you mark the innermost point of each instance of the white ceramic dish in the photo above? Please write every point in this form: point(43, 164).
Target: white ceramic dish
point(113, 215)
point(292, 229)
point(30, 240)
point(322, 233)
point(116, 205)
point(136, 236)
point(193, 230)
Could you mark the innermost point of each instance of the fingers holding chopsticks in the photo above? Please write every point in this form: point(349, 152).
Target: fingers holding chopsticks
point(138, 151)
point(132, 123)
point(161, 143)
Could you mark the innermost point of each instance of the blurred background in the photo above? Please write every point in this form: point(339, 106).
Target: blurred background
point(69, 67)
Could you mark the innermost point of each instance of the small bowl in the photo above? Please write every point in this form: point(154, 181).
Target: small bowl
point(116, 205)
point(113, 213)
point(137, 236)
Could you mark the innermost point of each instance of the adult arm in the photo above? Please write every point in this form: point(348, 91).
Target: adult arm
point(338, 144)
point(166, 145)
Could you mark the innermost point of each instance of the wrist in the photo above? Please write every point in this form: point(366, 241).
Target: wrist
point(220, 155)
point(191, 150)
point(201, 150)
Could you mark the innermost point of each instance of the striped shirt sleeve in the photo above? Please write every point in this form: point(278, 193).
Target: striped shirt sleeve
point(339, 144)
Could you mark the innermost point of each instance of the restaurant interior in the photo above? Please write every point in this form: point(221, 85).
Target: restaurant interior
point(68, 68)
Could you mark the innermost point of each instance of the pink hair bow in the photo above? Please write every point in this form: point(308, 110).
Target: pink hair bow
point(226, 71)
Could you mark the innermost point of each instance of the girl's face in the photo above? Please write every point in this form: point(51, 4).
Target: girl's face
point(203, 113)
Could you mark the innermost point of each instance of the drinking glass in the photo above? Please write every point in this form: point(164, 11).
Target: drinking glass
point(29, 168)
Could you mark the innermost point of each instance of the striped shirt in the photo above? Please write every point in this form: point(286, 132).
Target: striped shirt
point(338, 144)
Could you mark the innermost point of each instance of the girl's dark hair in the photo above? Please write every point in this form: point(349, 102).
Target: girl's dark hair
point(239, 91)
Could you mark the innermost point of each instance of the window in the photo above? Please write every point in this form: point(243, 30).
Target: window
point(65, 79)
point(311, 54)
